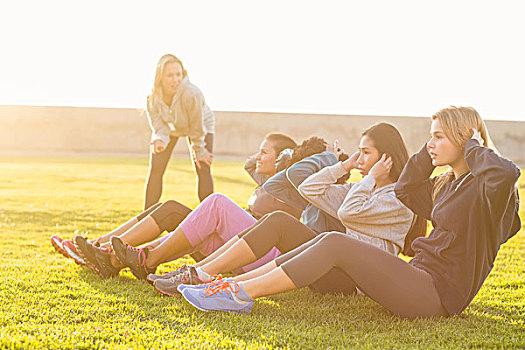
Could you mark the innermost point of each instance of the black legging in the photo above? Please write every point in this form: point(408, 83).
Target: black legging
point(400, 287)
point(157, 167)
point(285, 232)
point(167, 215)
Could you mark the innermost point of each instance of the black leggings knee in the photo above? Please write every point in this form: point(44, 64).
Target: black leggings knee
point(400, 287)
point(278, 229)
point(169, 215)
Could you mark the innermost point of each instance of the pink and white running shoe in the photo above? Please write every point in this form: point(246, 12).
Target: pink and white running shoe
point(67, 248)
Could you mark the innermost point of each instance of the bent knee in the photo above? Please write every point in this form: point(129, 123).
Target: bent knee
point(216, 198)
point(281, 216)
point(335, 237)
point(172, 205)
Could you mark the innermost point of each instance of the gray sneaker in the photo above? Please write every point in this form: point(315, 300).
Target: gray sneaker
point(152, 277)
point(134, 258)
point(168, 286)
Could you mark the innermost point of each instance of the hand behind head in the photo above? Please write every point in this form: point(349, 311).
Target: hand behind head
point(381, 169)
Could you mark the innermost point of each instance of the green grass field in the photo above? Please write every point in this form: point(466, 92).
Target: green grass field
point(46, 301)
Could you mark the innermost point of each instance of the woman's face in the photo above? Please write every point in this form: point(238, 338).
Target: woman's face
point(171, 78)
point(441, 150)
point(369, 155)
point(266, 158)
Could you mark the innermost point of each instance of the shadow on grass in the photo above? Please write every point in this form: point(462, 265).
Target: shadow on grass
point(51, 217)
point(295, 319)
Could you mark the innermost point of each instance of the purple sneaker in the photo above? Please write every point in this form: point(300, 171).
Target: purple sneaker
point(221, 297)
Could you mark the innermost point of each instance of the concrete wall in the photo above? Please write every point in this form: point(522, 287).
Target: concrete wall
point(34, 129)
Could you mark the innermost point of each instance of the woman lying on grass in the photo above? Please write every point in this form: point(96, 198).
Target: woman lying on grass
point(369, 210)
point(205, 229)
point(224, 219)
point(167, 216)
point(473, 208)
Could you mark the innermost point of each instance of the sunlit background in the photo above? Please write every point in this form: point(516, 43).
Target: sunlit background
point(346, 57)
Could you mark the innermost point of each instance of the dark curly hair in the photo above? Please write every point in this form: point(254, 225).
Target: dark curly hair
point(311, 146)
point(308, 147)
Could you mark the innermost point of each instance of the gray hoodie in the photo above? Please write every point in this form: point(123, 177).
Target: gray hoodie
point(188, 115)
point(374, 216)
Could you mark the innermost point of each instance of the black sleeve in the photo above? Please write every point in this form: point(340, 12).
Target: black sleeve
point(414, 186)
point(496, 178)
point(496, 171)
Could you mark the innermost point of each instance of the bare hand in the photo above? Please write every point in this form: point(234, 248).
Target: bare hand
point(335, 148)
point(157, 146)
point(351, 163)
point(206, 158)
point(477, 136)
point(381, 169)
point(283, 159)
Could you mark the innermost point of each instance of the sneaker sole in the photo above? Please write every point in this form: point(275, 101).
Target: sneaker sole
point(66, 252)
point(166, 293)
point(59, 248)
point(75, 256)
point(156, 279)
point(151, 281)
point(192, 304)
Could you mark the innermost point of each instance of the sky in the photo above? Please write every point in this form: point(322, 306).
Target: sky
point(403, 58)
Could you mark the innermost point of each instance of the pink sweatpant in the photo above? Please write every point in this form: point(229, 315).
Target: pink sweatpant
point(215, 221)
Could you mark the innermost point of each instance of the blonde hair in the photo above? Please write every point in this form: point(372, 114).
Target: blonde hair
point(457, 124)
point(156, 93)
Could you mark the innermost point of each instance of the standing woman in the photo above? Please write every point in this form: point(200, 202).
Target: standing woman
point(176, 108)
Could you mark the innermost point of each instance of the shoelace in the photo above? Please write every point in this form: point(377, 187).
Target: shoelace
point(214, 280)
point(96, 242)
point(181, 269)
point(107, 250)
point(180, 277)
point(221, 288)
point(141, 255)
point(172, 273)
